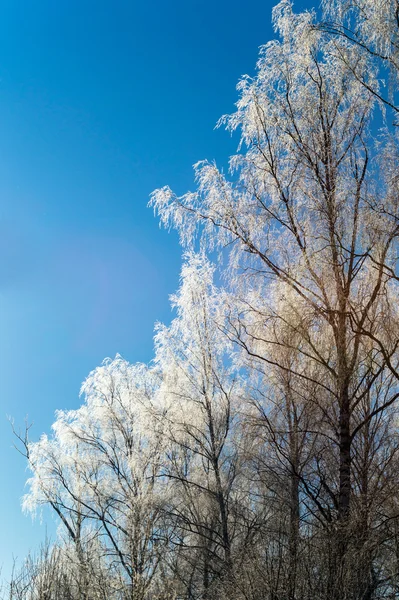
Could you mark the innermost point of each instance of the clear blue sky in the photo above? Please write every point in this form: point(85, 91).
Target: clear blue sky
point(100, 103)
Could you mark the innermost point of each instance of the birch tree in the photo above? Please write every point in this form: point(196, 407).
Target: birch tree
point(305, 206)
point(100, 470)
point(200, 396)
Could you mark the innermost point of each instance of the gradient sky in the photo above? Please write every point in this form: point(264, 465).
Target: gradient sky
point(100, 103)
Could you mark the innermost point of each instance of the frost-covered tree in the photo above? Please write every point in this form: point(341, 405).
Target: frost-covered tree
point(200, 399)
point(311, 205)
point(101, 470)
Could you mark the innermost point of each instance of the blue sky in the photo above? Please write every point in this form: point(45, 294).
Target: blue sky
point(100, 103)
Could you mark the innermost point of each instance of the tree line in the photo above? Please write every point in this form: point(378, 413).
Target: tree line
point(256, 457)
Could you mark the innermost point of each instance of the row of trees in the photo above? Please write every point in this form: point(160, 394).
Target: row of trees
point(257, 456)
